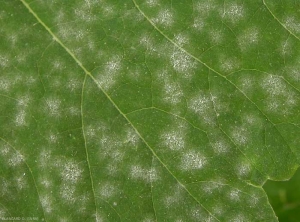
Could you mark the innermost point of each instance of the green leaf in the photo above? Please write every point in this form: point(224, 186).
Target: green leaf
point(284, 197)
point(148, 110)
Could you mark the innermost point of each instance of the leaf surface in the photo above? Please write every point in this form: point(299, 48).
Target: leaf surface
point(147, 110)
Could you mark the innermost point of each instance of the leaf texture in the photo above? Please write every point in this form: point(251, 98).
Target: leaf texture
point(153, 110)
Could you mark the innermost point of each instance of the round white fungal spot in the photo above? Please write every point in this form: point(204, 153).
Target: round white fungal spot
point(132, 137)
point(174, 140)
point(200, 104)
point(192, 160)
point(240, 135)
point(198, 24)
point(152, 3)
point(71, 172)
point(5, 84)
point(220, 147)
point(172, 93)
point(233, 12)
point(20, 118)
point(243, 169)
point(182, 62)
point(164, 17)
point(234, 195)
point(274, 85)
point(248, 38)
point(47, 203)
point(292, 24)
point(53, 106)
point(16, 159)
point(137, 172)
point(181, 39)
point(107, 190)
point(67, 193)
point(216, 36)
point(229, 64)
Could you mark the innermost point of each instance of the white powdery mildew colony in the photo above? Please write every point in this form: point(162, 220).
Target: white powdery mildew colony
point(146, 111)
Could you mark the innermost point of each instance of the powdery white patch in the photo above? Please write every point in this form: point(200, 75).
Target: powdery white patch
point(234, 195)
point(252, 120)
point(67, 193)
point(229, 64)
point(52, 106)
point(131, 137)
point(220, 147)
point(5, 84)
point(111, 146)
point(148, 219)
point(246, 84)
point(182, 63)
point(52, 138)
point(285, 48)
point(172, 93)
point(234, 12)
point(248, 38)
point(107, 190)
point(30, 80)
point(44, 158)
point(13, 39)
point(181, 39)
point(117, 155)
point(16, 159)
point(292, 24)
point(20, 119)
point(58, 65)
point(174, 140)
point(137, 172)
point(243, 169)
point(146, 41)
point(153, 175)
point(112, 169)
point(240, 135)
point(108, 77)
point(113, 65)
point(47, 203)
point(71, 172)
point(74, 111)
point(152, 3)
point(210, 187)
point(46, 183)
point(108, 10)
point(216, 36)
point(192, 160)
point(73, 85)
point(198, 23)
point(198, 214)
point(174, 199)
point(164, 17)
point(273, 84)
point(205, 7)
point(82, 12)
point(4, 61)
point(99, 218)
point(200, 104)
point(293, 71)
point(5, 150)
point(24, 101)
point(21, 182)
point(65, 32)
point(239, 218)
point(218, 210)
